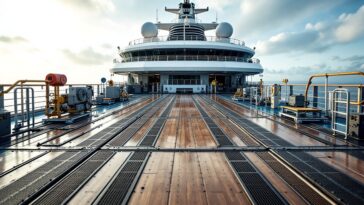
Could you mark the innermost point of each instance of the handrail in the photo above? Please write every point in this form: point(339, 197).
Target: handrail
point(188, 38)
point(328, 75)
point(188, 58)
point(22, 82)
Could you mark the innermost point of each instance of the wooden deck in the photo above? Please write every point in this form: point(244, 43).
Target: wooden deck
point(187, 163)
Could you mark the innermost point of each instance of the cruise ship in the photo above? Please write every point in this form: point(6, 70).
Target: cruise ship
point(187, 128)
point(186, 60)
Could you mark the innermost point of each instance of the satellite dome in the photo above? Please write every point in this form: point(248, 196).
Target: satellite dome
point(224, 30)
point(149, 30)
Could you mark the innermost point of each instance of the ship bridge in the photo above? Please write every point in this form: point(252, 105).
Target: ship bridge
point(216, 63)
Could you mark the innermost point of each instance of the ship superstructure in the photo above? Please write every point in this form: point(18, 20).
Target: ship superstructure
point(96, 144)
point(186, 60)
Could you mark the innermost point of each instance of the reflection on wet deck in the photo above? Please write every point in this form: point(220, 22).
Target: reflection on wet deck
point(266, 159)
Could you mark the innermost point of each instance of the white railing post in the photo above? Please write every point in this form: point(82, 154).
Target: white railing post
point(326, 95)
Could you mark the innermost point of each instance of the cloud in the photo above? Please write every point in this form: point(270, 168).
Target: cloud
point(218, 5)
point(351, 58)
point(107, 46)
point(312, 69)
point(87, 57)
point(351, 26)
point(95, 5)
point(290, 42)
point(16, 39)
point(352, 63)
point(315, 37)
point(355, 62)
point(259, 16)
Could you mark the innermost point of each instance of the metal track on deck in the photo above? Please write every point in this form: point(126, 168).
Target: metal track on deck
point(342, 186)
point(33, 184)
point(328, 179)
point(109, 132)
point(151, 137)
point(257, 186)
point(218, 134)
point(123, 137)
point(292, 125)
point(23, 188)
point(307, 192)
point(120, 188)
point(64, 189)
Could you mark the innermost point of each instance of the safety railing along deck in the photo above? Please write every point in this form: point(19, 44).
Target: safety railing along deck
point(188, 58)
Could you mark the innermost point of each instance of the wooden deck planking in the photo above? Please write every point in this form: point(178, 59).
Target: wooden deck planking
point(154, 184)
point(90, 191)
point(282, 187)
point(140, 134)
point(202, 135)
point(222, 186)
point(185, 136)
point(187, 185)
point(344, 162)
point(168, 136)
point(187, 130)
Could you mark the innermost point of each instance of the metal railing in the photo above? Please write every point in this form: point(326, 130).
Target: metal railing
point(188, 58)
point(40, 96)
point(341, 96)
point(316, 94)
point(186, 38)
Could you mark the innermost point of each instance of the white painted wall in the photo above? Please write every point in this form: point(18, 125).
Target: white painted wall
point(193, 66)
point(173, 88)
point(189, 44)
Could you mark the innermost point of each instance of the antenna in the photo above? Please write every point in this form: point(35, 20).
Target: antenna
point(157, 16)
point(216, 17)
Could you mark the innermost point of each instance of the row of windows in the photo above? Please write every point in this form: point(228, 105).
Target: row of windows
point(202, 52)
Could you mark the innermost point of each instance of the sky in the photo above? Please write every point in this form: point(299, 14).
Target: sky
point(79, 38)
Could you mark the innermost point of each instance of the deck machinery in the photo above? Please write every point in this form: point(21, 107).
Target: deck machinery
point(67, 108)
point(113, 93)
point(77, 100)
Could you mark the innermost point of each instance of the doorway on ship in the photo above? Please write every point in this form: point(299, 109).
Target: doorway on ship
point(154, 82)
point(219, 83)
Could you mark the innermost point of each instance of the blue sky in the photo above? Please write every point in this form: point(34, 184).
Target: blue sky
point(294, 38)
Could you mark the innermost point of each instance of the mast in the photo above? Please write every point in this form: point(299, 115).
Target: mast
point(186, 10)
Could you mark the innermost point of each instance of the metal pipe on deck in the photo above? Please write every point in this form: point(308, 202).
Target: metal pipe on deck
point(327, 75)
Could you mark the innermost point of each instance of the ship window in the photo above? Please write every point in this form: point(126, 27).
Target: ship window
point(184, 80)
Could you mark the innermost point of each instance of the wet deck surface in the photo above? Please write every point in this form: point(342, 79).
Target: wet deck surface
point(182, 149)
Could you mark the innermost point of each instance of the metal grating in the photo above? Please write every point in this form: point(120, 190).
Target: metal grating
point(243, 167)
point(124, 181)
point(341, 186)
point(297, 184)
point(153, 134)
point(232, 156)
point(68, 185)
point(260, 190)
point(28, 185)
point(139, 156)
point(129, 132)
point(262, 134)
point(219, 135)
point(120, 188)
point(32, 184)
